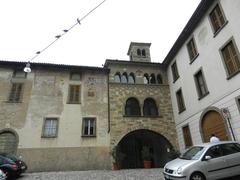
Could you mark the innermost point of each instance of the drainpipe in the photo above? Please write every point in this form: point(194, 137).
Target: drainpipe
point(108, 103)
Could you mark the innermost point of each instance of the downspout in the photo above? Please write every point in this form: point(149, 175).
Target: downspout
point(108, 103)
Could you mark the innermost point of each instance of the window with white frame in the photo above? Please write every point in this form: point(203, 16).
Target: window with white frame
point(50, 128)
point(89, 126)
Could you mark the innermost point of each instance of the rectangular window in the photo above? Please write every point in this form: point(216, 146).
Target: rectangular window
point(192, 50)
point(50, 127)
point(238, 103)
point(89, 127)
point(16, 92)
point(200, 84)
point(217, 18)
point(180, 101)
point(175, 71)
point(187, 136)
point(75, 76)
point(231, 58)
point(74, 94)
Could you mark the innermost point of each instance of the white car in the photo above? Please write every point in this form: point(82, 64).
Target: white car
point(205, 162)
point(2, 175)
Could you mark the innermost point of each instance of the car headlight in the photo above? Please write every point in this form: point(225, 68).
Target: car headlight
point(179, 170)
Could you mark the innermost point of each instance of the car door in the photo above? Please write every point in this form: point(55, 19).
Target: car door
point(216, 166)
point(231, 152)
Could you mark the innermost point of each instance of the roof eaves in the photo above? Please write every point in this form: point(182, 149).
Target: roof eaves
point(197, 16)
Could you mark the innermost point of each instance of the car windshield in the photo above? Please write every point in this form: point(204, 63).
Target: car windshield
point(193, 153)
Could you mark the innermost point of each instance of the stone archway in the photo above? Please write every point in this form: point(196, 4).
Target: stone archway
point(132, 144)
point(8, 141)
point(212, 122)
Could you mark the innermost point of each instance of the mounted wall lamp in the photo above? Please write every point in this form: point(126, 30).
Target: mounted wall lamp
point(27, 68)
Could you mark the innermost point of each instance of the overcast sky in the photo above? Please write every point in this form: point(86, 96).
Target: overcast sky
point(28, 26)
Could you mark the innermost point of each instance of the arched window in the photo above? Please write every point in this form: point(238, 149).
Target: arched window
point(131, 78)
point(146, 79)
point(124, 78)
point(143, 52)
point(150, 108)
point(159, 79)
point(117, 77)
point(138, 52)
point(132, 107)
point(152, 79)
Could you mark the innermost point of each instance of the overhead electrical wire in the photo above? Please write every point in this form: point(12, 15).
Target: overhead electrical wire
point(64, 32)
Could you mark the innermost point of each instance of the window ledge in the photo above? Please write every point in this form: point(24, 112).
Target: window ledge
point(179, 112)
point(217, 32)
point(193, 59)
point(203, 96)
point(73, 103)
point(176, 79)
point(129, 116)
point(48, 137)
point(14, 102)
point(233, 74)
point(89, 136)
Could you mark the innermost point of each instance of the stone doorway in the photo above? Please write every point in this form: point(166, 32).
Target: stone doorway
point(8, 142)
point(212, 122)
point(132, 144)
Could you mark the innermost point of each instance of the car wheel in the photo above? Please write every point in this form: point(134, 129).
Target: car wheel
point(5, 171)
point(197, 176)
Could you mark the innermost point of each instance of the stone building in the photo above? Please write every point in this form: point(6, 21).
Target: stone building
point(55, 117)
point(140, 108)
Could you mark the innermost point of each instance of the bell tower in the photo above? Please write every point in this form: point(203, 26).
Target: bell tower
point(139, 52)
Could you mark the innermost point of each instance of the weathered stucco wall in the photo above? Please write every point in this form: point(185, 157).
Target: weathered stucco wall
point(45, 94)
point(64, 159)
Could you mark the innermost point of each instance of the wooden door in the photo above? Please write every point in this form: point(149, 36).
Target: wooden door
point(8, 142)
point(213, 123)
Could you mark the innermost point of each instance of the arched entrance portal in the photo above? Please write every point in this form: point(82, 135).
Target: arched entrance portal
point(8, 142)
point(212, 122)
point(132, 144)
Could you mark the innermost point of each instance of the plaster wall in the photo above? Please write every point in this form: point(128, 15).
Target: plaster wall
point(220, 87)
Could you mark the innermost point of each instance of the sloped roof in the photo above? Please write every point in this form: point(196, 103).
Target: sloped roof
point(21, 64)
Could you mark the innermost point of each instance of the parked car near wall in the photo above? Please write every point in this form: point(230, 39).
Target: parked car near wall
point(205, 162)
point(2, 175)
point(21, 165)
point(8, 167)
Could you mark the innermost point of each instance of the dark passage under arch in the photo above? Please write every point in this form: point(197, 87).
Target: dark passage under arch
point(132, 144)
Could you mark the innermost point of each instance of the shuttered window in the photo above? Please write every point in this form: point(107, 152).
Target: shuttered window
point(192, 50)
point(175, 71)
point(231, 58)
point(16, 92)
point(217, 18)
point(187, 136)
point(180, 101)
point(200, 84)
point(74, 94)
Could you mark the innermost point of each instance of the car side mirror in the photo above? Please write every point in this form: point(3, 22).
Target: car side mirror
point(207, 158)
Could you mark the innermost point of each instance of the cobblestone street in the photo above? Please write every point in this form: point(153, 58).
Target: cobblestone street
point(133, 174)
